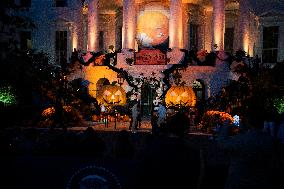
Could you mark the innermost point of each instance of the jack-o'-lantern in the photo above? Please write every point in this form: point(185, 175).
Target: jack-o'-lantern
point(180, 95)
point(96, 118)
point(48, 112)
point(112, 95)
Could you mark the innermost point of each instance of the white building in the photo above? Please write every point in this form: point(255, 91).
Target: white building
point(223, 25)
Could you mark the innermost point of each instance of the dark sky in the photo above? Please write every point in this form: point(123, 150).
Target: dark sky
point(261, 6)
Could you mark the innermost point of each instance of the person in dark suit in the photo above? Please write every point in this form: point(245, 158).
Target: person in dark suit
point(168, 161)
point(251, 153)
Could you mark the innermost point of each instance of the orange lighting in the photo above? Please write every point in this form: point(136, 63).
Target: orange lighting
point(218, 24)
point(180, 95)
point(129, 24)
point(92, 25)
point(74, 40)
point(152, 28)
point(94, 73)
point(218, 35)
point(92, 35)
point(175, 24)
point(246, 41)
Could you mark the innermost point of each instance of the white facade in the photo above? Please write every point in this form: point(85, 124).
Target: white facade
point(212, 17)
point(115, 23)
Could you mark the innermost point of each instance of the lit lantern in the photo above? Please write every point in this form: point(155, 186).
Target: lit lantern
point(112, 95)
point(180, 95)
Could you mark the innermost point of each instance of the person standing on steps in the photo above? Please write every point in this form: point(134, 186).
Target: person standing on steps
point(134, 115)
point(161, 114)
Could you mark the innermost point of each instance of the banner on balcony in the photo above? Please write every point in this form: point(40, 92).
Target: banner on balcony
point(150, 57)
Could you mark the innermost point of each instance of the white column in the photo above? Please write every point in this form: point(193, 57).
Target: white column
point(85, 33)
point(243, 23)
point(208, 37)
point(129, 24)
point(218, 24)
point(74, 37)
point(186, 22)
point(93, 26)
point(175, 24)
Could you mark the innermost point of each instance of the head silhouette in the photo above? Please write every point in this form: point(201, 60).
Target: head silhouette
point(178, 124)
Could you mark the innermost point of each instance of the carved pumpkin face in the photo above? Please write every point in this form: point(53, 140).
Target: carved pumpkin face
point(180, 95)
point(112, 95)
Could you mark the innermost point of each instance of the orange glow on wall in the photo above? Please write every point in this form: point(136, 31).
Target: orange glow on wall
point(74, 40)
point(218, 24)
point(92, 25)
point(131, 36)
point(129, 24)
point(175, 24)
point(218, 30)
point(92, 38)
point(246, 41)
point(94, 73)
point(180, 34)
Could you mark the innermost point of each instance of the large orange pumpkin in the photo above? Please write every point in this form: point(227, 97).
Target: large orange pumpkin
point(112, 95)
point(180, 95)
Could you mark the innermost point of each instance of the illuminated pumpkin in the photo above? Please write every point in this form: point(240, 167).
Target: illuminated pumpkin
point(48, 112)
point(180, 95)
point(112, 95)
point(68, 109)
point(125, 118)
point(96, 118)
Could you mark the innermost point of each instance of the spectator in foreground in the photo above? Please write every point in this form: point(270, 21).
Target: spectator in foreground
point(251, 154)
point(91, 144)
point(168, 162)
point(124, 149)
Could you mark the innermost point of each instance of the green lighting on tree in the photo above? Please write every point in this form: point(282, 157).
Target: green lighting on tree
point(7, 96)
point(279, 104)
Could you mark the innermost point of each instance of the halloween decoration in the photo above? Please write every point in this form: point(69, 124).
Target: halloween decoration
point(111, 95)
point(180, 96)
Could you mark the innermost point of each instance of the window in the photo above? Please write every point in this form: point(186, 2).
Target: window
point(229, 39)
point(25, 40)
point(25, 3)
point(118, 40)
point(270, 44)
point(193, 36)
point(61, 3)
point(61, 47)
point(101, 40)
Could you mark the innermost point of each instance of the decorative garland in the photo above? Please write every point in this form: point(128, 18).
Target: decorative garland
point(189, 57)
